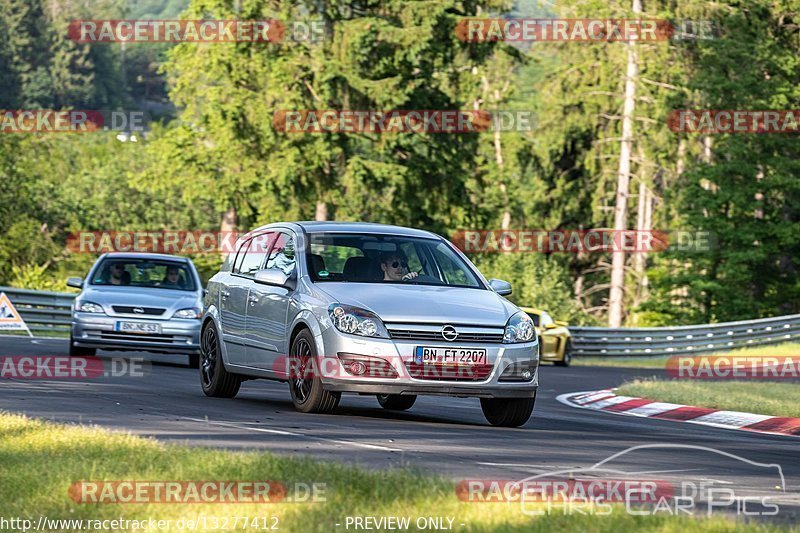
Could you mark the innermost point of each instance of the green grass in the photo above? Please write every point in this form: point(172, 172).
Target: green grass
point(40, 460)
point(765, 398)
point(778, 350)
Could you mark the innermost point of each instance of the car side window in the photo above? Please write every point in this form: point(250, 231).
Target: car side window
point(254, 251)
point(282, 256)
point(240, 256)
point(535, 319)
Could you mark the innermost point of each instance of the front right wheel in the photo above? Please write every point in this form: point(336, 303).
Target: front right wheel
point(308, 393)
point(396, 402)
point(507, 412)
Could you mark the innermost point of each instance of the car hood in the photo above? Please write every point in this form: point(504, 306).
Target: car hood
point(169, 299)
point(424, 303)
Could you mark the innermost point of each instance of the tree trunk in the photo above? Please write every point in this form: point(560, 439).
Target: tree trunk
point(321, 213)
point(228, 224)
point(617, 292)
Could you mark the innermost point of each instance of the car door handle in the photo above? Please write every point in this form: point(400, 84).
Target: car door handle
point(252, 299)
point(225, 294)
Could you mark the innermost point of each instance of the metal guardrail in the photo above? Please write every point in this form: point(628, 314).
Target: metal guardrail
point(682, 340)
point(49, 312)
point(43, 312)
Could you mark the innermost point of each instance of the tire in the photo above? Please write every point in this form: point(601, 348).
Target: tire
point(194, 360)
point(308, 394)
point(78, 351)
point(216, 381)
point(396, 402)
point(507, 412)
point(567, 360)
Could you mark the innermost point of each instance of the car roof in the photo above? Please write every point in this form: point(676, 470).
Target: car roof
point(353, 227)
point(146, 256)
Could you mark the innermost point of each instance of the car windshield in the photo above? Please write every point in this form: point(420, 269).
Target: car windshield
point(144, 273)
point(368, 258)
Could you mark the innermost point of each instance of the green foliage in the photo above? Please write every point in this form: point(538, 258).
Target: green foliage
point(537, 281)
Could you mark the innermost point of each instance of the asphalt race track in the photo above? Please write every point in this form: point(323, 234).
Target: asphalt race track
point(448, 436)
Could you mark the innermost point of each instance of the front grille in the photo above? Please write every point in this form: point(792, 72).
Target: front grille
point(448, 372)
point(433, 332)
point(129, 309)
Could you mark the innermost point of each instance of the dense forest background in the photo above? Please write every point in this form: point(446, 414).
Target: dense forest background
point(212, 157)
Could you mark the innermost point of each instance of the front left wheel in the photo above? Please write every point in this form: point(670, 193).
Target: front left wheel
point(507, 412)
point(215, 379)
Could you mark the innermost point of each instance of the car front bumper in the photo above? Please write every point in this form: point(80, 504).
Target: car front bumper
point(92, 330)
point(400, 353)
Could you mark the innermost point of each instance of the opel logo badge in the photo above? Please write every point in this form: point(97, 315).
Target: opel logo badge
point(138, 310)
point(449, 333)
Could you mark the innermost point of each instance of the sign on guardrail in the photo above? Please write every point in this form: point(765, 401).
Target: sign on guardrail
point(9, 317)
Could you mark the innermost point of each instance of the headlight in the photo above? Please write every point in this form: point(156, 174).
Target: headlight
point(88, 307)
point(357, 321)
point(519, 329)
point(189, 312)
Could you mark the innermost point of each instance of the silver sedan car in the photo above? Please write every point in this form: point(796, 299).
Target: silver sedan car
point(138, 302)
point(336, 308)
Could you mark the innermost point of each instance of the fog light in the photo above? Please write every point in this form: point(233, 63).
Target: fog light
point(367, 366)
point(358, 368)
point(519, 371)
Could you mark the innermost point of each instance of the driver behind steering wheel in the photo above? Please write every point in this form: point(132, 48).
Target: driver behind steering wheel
point(395, 267)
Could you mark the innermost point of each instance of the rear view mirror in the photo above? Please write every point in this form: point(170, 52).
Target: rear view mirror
point(503, 288)
point(75, 282)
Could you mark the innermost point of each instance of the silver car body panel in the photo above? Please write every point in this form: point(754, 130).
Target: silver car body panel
point(260, 350)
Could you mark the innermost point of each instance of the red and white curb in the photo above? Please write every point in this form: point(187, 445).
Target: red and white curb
point(606, 400)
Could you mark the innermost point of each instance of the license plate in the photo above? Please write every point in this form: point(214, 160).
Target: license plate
point(138, 327)
point(452, 356)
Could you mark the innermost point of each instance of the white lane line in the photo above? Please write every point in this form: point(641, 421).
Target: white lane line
point(292, 434)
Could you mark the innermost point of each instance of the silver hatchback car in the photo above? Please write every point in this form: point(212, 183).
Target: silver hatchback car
point(370, 309)
point(138, 302)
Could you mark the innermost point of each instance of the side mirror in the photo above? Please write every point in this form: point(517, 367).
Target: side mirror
point(561, 323)
point(205, 292)
point(271, 276)
point(503, 288)
point(75, 282)
point(551, 326)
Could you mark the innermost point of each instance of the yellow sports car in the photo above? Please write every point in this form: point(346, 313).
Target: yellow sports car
point(555, 340)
